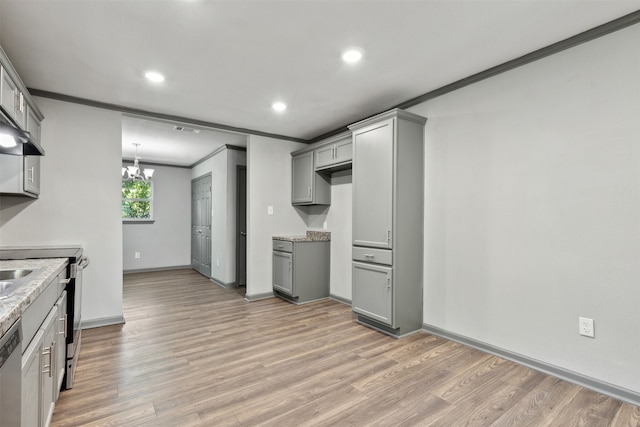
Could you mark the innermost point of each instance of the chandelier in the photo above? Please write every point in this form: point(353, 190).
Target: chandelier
point(133, 172)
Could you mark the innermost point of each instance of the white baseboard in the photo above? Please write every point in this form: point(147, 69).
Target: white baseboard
point(104, 321)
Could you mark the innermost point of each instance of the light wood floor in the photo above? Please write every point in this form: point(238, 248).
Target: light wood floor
point(194, 354)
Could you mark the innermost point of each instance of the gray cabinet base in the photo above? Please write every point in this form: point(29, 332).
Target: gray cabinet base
point(295, 300)
point(396, 333)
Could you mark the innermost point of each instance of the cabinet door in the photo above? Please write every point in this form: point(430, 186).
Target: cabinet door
point(61, 343)
point(33, 124)
point(8, 93)
point(373, 292)
point(283, 272)
point(31, 382)
point(373, 185)
point(48, 329)
point(32, 174)
point(344, 151)
point(325, 156)
point(302, 178)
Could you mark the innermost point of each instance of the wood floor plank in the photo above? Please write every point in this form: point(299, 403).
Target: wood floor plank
point(627, 416)
point(588, 409)
point(195, 354)
point(540, 406)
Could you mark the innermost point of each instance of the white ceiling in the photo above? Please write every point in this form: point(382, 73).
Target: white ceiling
point(160, 142)
point(226, 62)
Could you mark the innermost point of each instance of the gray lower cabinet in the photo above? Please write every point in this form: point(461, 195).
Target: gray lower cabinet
point(373, 295)
point(308, 187)
point(301, 270)
point(61, 344)
point(31, 382)
point(44, 358)
point(49, 365)
point(388, 193)
point(283, 272)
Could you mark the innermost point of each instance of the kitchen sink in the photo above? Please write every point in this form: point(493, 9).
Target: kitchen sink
point(14, 274)
point(5, 286)
point(10, 280)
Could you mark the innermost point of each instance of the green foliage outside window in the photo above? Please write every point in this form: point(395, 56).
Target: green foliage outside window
point(136, 199)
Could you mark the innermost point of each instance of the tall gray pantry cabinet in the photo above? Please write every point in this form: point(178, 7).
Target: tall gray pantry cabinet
point(388, 193)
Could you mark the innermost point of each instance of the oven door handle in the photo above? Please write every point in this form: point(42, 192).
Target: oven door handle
point(84, 262)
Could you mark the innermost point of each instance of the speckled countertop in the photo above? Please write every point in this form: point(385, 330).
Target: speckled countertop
point(311, 236)
point(45, 270)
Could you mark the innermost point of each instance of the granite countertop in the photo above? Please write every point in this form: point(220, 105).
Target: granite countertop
point(45, 270)
point(311, 236)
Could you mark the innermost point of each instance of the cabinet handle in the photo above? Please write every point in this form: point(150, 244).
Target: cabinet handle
point(289, 265)
point(280, 246)
point(63, 319)
point(388, 283)
point(51, 352)
point(369, 256)
point(64, 281)
point(21, 103)
point(334, 152)
point(388, 235)
point(309, 191)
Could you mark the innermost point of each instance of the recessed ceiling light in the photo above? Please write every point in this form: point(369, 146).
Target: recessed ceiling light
point(352, 55)
point(154, 76)
point(279, 106)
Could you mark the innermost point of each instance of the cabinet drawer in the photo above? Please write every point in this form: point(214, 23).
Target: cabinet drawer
point(283, 246)
point(378, 256)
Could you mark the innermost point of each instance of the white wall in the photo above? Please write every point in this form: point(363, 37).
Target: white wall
point(269, 184)
point(81, 179)
point(166, 242)
point(222, 167)
point(339, 222)
point(532, 209)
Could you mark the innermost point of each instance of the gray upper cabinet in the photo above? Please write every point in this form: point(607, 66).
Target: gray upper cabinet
point(31, 176)
point(307, 187)
point(20, 175)
point(373, 194)
point(33, 124)
point(335, 153)
point(12, 99)
point(388, 193)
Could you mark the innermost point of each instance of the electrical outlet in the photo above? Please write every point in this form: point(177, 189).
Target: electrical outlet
point(137, 255)
point(269, 210)
point(585, 327)
point(217, 262)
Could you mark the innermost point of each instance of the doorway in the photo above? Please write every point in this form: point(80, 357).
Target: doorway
point(241, 226)
point(201, 225)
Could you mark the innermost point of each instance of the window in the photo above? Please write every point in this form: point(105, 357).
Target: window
point(137, 200)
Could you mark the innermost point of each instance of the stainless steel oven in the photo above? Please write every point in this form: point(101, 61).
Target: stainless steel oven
point(74, 315)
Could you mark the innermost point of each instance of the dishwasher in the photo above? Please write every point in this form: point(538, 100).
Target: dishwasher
point(11, 376)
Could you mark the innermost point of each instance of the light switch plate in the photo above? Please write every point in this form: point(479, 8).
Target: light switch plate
point(269, 210)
